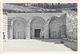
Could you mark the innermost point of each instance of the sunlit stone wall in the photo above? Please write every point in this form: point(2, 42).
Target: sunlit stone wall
point(71, 25)
point(71, 22)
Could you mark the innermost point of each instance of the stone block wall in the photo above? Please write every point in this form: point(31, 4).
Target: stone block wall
point(28, 18)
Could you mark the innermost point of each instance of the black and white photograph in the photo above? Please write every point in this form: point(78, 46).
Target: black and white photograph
point(40, 26)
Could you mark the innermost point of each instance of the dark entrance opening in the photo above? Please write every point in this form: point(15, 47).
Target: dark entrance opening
point(37, 33)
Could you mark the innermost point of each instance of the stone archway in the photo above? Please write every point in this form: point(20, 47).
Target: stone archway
point(54, 27)
point(19, 28)
point(36, 27)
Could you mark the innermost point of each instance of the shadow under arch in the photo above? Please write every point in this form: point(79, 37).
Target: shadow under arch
point(36, 23)
point(19, 28)
point(54, 24)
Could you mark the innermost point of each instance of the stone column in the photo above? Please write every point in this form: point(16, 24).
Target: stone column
point(46, 32)
point(11, 33)
point(11, 30)
point(27, 32)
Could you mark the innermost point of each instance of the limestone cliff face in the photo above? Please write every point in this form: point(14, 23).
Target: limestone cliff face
point(71, 22)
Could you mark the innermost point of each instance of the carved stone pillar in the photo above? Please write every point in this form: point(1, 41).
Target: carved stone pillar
point(46, 32)
point(10, 29)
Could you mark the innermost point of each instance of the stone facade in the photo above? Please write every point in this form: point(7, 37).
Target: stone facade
point(36, 25)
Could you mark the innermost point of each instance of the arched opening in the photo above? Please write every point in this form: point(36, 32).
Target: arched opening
point(19, 29)
point(36, 27)
point(62, 31)
point(54, 27)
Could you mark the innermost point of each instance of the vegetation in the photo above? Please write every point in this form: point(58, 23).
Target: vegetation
point(38, 7)
point(54, 5)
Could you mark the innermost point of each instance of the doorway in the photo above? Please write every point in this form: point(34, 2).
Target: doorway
point(37, 33)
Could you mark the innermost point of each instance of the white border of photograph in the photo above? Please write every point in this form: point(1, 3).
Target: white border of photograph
point(37, 52)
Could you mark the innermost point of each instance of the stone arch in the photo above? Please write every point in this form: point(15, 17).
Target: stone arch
point(54, 26)
point(19, 28)
point(37, 27)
